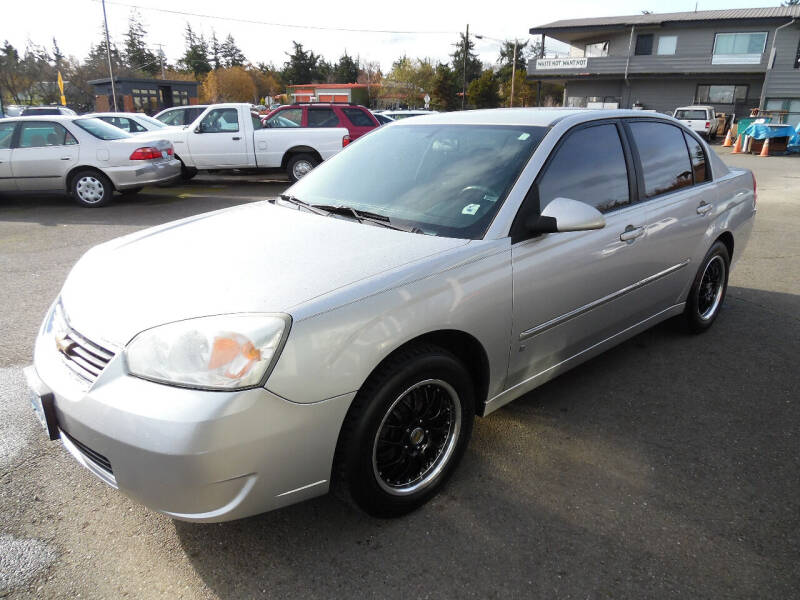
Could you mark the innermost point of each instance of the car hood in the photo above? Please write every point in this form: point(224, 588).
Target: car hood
point(251, 258)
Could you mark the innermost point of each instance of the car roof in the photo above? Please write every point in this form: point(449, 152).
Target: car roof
point(115, 114)
point(537, 117)
point(65, 118)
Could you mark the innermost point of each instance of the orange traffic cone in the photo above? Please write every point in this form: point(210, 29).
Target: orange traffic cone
point(765, 148)
point(728, 141)
point(737, 149)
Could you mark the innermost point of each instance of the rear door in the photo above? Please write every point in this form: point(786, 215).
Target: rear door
point(675, 185)
point(43, 154)
point(573, 290)
point(7, 182)
point(219, 140)
point(322, 116)
point(361, 121)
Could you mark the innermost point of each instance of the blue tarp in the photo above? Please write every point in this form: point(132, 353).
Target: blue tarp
point(762, 131)
point(794, 141)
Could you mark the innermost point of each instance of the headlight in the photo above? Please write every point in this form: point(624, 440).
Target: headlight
point(56, 322)
point(224, 352)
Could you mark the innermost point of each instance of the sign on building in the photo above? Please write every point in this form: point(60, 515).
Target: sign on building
point(560, 63)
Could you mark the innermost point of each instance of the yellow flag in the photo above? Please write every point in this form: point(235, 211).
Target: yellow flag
point(61, 87)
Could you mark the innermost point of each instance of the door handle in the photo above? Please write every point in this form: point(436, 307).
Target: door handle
point(65, 158)
point(236, 137)
point(704, 208)
point(631, 233)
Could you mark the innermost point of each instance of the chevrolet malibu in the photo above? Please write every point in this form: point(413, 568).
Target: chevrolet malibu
point(86, 157)
point(345, 335)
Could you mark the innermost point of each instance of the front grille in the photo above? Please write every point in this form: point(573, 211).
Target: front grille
point(97, 458)
point(86, 358)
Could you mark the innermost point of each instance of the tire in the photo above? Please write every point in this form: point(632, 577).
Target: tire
point(708, 290)
point(91, 188)
point(187, 172)
point(131, 191)
point(299, 165)
point(405, 433)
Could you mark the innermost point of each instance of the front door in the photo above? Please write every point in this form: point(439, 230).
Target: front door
point(572, 290)
point(43, 155)
point(6, 177)
point(219, 140)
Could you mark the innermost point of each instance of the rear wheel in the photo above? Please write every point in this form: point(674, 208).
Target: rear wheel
point(187, 172)
point(708, 289)
point(300, 165)
point(91, 188)
point(406, 432)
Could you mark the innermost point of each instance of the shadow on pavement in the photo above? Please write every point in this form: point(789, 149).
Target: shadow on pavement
point(152, 206)
point(666, 467)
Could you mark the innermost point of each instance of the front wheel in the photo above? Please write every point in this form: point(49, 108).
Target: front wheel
point(91, 188)
point(300, 165)
point(708, 289)
point(406, 432)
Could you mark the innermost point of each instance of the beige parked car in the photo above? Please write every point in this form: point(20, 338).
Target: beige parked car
point(86, 157)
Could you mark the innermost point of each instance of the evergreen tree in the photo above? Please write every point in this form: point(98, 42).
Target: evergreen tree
point(302, 66)
point(446, 86)
point(216, 51)
point(484, 92)
point(195, 57)
point(346, 70)
point(58, 56)
point(97, 60)
point(138, 56)
point(474, 66)
point(230, 53)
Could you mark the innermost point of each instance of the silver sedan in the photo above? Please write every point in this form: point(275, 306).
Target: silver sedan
point(84, 156)
point(345, 335)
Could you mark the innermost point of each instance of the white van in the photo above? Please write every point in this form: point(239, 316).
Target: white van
point(701, 119)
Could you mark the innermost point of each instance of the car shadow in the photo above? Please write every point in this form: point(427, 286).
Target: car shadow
point(152, 206)
point(665, 467)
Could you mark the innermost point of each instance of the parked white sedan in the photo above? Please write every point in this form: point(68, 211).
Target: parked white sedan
point(86, 157)
point(131, 122)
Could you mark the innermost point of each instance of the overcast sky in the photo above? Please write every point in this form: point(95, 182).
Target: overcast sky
point(76, 24)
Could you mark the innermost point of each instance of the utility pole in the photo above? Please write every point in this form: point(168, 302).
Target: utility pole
point(513, 72)
point(161, 59)
point(464, 79)
point(108, 53)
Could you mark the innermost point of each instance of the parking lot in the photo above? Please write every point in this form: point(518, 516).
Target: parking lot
point(667, 467)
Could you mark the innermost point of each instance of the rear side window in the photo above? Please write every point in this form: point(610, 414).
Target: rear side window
point(698, 157)
point(590, 167)
point(322, 117)
point(40, 134)
point(290, 117)
point(358, 117)
point(174, 117)
point(665, 160)
point(6, 133)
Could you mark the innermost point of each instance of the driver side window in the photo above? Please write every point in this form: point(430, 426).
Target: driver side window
point(589, 166)
point(220, 120)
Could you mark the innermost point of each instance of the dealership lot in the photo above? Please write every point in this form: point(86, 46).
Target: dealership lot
point(665, 468)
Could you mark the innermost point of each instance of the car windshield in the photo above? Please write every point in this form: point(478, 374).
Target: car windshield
point(150, 121)
point(101, 129)
point(447, 180)
point(691, 115)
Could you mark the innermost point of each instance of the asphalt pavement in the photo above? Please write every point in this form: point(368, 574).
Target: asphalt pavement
point(665, 468)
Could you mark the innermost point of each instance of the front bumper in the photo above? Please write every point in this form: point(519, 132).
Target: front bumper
point(193, 455)
point(132, 176)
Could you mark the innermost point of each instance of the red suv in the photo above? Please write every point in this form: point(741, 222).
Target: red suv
point(357, 119)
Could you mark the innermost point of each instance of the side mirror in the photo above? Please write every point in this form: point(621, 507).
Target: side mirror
point(563, 214)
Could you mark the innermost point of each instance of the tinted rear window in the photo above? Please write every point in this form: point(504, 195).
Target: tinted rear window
point(665, 159)
point(698, 158)
point(322, 117)
point(358, 117)
point(691, 115)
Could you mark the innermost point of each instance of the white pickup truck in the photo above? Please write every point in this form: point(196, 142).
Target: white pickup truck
point(230, 136)
point(701, 119)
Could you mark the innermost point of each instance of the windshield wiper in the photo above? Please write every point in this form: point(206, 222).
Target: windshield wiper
point(297, 202)
point(363, 216)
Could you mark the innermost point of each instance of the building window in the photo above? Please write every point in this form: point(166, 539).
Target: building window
point(145, 99)
point(576, 101)
point(667, 44)
point(644, 44)
point(597, 49)
point(790, 105)
point(180, 98)
point(738, 48)
point(721, 94)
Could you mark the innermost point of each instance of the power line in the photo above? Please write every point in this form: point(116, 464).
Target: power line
point(270, 24)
